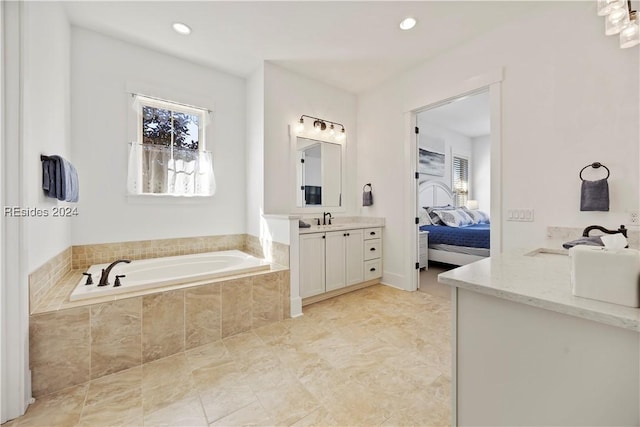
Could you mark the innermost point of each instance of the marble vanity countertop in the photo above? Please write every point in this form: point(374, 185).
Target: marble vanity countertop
point(339, 225)
point(539, 278)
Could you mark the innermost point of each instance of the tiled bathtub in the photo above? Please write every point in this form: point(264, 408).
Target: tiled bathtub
point(73, 342)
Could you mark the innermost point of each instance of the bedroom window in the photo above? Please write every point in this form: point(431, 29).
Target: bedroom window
point(460, 180)
point(169, 156)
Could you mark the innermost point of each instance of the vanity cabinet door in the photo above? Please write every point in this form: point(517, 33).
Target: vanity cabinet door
point(335, 251)
point(354, 259)
point(312, 263)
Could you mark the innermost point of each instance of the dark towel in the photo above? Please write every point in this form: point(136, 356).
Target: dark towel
point(594, 196)
point(60, 179)
point(589, 241)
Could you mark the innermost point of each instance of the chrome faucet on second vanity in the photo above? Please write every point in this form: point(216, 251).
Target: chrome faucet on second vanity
point(104, 279)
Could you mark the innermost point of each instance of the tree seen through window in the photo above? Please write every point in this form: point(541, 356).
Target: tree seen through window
point(169, 128)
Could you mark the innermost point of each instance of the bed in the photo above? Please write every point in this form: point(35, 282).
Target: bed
point(451, 245)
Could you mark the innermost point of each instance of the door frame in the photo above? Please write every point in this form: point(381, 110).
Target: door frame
point(492, 80)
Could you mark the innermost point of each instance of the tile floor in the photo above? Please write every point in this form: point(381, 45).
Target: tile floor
point(378, 356)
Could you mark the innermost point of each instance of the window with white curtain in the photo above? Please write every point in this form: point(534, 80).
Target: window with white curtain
point(169, 157)
point(460, 173)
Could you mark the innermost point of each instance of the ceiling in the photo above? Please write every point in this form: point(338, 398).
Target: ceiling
point(350, 45)
point(469, 115)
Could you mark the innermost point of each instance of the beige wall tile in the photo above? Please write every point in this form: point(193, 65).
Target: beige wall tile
point(116, 336)
point(236, 306)
point(162, 325)
point(267, 300)
point(42, 279)
point(202, 315)
point(59, 350)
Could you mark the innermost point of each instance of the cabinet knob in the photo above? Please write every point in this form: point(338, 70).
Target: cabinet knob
point(323, 236)
point(372, 249)
point(373, 233)
point(372, 269)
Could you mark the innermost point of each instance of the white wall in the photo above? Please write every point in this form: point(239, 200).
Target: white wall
point(46, 53)
point(101, 70)
point(454, 144)
point(287, 96)
point(481, 171)
point(568, 98)
point(255, 151)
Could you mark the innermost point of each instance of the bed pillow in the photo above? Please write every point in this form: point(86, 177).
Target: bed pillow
point(435, 220)
point(424, 218)
point(478, 217)
point(453, 218)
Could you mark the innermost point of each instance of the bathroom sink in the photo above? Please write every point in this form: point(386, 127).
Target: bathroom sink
point(546, 252)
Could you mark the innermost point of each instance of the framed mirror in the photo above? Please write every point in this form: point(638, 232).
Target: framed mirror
point(319, 174)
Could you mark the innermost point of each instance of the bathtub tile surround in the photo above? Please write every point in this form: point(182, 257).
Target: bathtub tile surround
point(277, 252)
point(86, 255)
point(46, 276)
point(267, 300)
point(236, 306)
point(44, 282)
point(59, 350)
point(162, 325)
point(202, 309)
point(72, 344)
point(115, 336)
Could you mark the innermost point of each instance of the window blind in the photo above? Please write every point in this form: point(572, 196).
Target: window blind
point(461, 179)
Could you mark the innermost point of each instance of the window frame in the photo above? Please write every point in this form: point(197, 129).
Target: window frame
point(145, 101)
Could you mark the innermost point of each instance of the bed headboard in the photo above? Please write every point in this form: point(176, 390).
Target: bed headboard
point(434, 193)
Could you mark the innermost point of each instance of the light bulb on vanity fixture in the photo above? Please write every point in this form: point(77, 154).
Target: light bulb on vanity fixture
point(620, 19)
point(341, 136)
point(300, 126)
point(605, 7)
point(616, 21)
point(630, 35)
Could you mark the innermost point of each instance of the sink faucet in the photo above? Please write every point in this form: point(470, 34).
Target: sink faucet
point(104, 279)
point(324, 218)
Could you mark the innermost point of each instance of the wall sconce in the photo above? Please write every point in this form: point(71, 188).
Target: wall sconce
point(620, 19)
point(320, 125)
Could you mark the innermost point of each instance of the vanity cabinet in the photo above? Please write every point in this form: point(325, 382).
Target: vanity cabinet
point(312, 264)
point(343, 259)
point(332, 260)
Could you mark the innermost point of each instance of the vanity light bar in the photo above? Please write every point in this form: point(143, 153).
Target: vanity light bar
point(321, 124)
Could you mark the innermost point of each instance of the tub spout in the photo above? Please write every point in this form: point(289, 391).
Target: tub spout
point(104, 279)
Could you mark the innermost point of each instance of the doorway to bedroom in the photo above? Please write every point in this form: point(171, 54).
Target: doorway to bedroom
point(453, 191)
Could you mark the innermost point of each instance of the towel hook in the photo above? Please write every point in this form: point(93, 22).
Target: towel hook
point(595, 165)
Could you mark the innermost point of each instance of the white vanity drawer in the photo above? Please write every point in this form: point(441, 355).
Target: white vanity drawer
point(372, 233)
point(372, 269)
point(372, 249)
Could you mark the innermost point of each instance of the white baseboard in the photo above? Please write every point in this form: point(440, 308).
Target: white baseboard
point(394, 280)
point(296, 307)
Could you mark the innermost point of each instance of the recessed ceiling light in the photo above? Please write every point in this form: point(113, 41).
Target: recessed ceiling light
point(407, 23)
point(181, 28)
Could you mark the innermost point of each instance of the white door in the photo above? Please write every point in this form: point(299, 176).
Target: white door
point(311, 264)
point(334, 256)
point(354, 257)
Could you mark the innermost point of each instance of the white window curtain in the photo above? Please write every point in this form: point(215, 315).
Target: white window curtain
point(156, 169)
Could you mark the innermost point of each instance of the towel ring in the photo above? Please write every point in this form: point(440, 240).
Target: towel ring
point(595, 165)
point(365, 186)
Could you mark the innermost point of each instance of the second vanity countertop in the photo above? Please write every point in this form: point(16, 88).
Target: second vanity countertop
point(539, 278)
